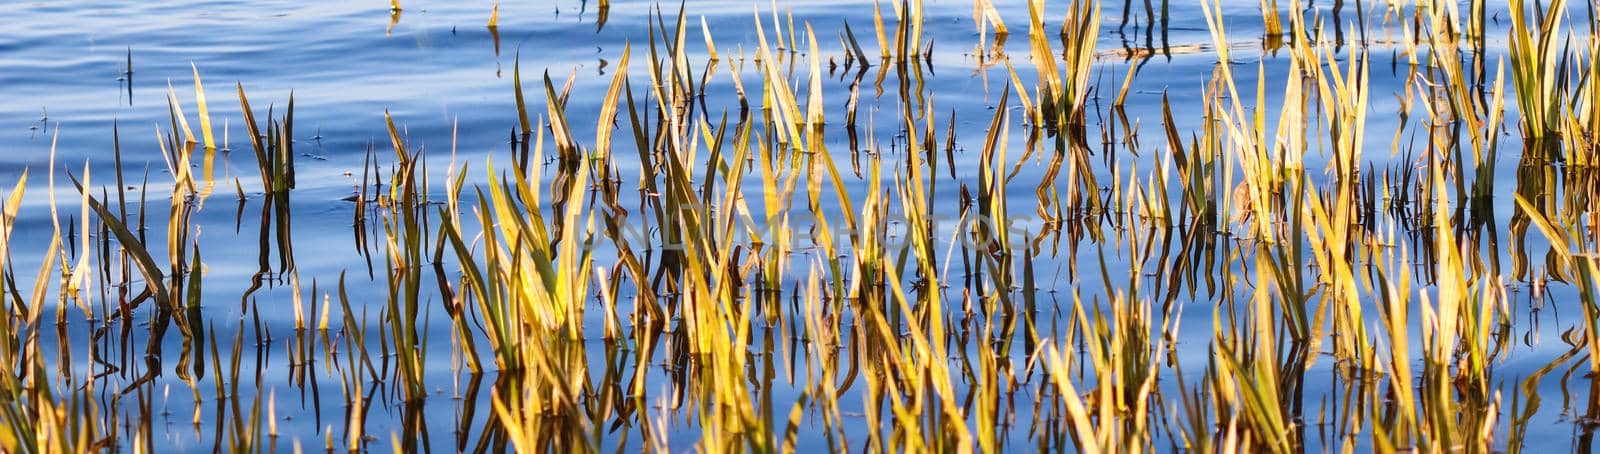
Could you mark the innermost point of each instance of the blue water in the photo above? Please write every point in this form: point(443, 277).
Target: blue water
point(71, 71)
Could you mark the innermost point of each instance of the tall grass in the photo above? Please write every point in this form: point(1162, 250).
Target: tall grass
point(686, 269)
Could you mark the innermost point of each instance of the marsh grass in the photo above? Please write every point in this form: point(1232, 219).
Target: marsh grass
point(730, 280)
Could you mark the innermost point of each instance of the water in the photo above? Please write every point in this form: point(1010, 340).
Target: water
point(73, 72)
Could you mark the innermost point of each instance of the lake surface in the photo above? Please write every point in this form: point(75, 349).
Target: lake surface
point(294, 302)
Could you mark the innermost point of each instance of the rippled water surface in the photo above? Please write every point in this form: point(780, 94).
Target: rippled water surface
point(85, 83)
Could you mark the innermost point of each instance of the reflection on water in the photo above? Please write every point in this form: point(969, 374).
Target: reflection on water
point(893, 226)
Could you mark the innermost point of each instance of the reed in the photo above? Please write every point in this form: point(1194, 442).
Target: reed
point(688, 255)
point(1537, 57)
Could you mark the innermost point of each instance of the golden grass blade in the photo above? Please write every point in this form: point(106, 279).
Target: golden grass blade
point(155, 280)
